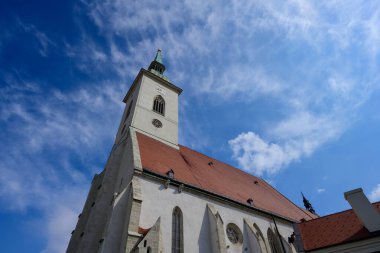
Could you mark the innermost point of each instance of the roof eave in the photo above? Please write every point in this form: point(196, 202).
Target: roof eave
point(152, 174)
point(156, 78)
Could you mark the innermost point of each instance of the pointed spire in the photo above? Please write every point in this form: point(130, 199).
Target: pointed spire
point(158, 57)
point(157, 66)
point(307, 204)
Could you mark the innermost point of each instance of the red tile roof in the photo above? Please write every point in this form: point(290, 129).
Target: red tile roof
point(143, 231)
point(195, 169)
point(333, 229)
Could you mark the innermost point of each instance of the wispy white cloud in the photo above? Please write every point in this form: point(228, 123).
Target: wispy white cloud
point(375, 194)
point(224, 51)
point(320, 190)
point(43, 40)
point(317, 60)
point(48, 136)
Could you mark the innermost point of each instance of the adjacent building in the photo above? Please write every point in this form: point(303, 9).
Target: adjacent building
point(353, 231)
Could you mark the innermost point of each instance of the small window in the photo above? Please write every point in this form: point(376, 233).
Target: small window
point(170, 173)
point(149, 250)
point(159, 105)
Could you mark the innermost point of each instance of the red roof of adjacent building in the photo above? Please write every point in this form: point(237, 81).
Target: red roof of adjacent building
point(206, 173)
point(334, 229)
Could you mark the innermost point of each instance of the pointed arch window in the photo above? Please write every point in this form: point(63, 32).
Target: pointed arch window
point(177, 231)
point(159, 105)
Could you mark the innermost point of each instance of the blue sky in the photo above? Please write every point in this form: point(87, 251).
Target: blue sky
point(286, 90)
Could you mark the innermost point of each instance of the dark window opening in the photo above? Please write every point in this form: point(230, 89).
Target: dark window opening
point(159, 105)
point(177, 231)
point(128, 111)
point(170, 173)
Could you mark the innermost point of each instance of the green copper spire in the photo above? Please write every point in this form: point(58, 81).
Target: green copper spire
point(157, 66)
point(158, 57)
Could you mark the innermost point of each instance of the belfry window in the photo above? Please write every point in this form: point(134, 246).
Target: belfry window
point(159, 105)
point(177, 231)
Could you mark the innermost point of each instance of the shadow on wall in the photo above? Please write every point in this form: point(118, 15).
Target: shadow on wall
point(250, 242)
point(204, 240)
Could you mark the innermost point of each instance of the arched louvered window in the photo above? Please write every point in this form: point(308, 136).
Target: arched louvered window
point(159, 105)
point(177, 231)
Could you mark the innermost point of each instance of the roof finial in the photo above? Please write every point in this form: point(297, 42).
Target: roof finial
point(307, 204)
point(157, 66)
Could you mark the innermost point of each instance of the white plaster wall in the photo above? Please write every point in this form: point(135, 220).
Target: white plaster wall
point(158, 201)
point(127, 122)
point(144, 114)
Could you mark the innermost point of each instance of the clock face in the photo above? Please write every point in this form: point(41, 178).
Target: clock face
point(157, 123)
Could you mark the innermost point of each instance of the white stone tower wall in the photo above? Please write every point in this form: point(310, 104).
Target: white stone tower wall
point(144, 113)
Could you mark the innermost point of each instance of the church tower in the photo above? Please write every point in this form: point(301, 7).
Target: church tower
point(157, 196)
point(151, 109)
point(152, 104)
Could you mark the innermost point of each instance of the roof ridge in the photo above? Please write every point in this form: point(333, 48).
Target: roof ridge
point(337, 213)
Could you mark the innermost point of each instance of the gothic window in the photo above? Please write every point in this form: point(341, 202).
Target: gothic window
point(177, 231)
point(159, 105)
point(149, 250)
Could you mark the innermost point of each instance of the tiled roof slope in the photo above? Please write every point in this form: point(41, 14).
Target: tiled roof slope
point(193, 168)
point(334, 229)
